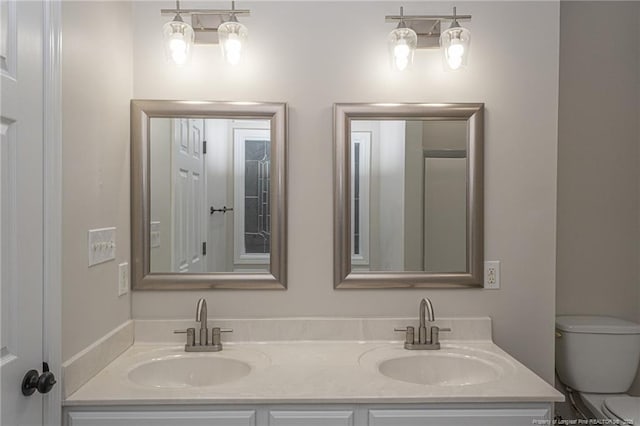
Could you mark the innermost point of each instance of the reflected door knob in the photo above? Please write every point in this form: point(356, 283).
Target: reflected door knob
point(33, 381)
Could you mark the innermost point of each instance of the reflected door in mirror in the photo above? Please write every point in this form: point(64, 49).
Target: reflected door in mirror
point(409, 195)
point(210, 195)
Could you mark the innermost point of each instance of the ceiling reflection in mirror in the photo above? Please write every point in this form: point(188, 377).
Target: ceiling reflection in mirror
point(210, 193)
point(409, 195)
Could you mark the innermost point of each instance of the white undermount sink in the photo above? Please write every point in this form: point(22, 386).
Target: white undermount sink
point(183, 371)
point(449, 366)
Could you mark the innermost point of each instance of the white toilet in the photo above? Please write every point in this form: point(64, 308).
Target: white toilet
point(598, 357)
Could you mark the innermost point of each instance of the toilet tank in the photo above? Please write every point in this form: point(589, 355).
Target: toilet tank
point(597, 354)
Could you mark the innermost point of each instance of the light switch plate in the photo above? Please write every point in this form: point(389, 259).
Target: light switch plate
point(102, 245)
point(123, 279)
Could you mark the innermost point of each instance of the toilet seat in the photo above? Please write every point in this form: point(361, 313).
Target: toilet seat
point(607, 414)
point(624, 408)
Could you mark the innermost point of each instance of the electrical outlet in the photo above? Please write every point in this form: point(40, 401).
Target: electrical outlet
point(492, 275)
point(123, 279)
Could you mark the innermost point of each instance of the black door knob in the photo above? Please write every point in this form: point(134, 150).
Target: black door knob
point(33, 381)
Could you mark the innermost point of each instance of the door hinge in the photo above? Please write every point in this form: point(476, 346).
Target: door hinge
point(204, 249)
point(204, 147)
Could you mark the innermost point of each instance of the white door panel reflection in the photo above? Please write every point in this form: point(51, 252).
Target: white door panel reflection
point(209, 182)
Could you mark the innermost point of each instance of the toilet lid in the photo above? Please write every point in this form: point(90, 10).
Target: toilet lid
point(626, 408)
point(595, 324)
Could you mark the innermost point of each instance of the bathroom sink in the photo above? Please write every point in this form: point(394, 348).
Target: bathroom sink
point(184, 371)
point(440, 370)
point(449, 366)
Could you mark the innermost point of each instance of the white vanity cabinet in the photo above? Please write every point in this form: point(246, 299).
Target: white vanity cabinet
point(149, 417)
point(436, 414)
point(460, 417)
point(314, 416)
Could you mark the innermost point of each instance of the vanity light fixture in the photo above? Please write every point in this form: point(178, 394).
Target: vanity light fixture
point(208, 26)
point(232, 35)
point(402, 45)
point(178, 39)
point(423, 32)
point(454, 44)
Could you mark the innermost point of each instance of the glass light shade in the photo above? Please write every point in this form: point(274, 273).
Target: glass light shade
point(454, 44)
point(232, 36)
point(402, 45)
point(178, 41)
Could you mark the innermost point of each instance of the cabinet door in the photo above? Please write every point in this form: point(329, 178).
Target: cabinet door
point(311, 418)
point(163, 418)
point(458, 417)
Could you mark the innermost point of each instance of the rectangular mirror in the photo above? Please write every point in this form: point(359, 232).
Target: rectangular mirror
point(408, 195)
point(208, 195)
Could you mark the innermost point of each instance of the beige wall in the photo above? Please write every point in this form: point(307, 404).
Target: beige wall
point(299, 56)
point(598, 160)
point(598, 173)
point(445, 236)
point(445, 199)
point(96, 87)
point(413, 196)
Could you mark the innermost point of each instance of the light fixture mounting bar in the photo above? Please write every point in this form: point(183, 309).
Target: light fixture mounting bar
point(427, 27)
point(239, 12)
point(206, 26)
point(407, 18)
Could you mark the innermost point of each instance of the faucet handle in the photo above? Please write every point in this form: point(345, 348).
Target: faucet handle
point(191, 335)
point(215, 335)
point(435, 334)
point(410, 336)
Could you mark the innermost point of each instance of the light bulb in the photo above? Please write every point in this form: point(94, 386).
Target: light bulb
point(401, 54)
point(232, 36)
point(402, 44)
point(455, 54)
point(454, 43)
point(178, 48)
point(454, 62)
point(178, 41)
point(456, 49)
point(233, 49)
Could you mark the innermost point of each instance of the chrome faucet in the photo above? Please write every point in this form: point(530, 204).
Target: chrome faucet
point(203, 344)
point(424, 333)
point(428, 334)
point(201, 317)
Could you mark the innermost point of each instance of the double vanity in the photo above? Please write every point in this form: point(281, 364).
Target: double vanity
point(408, 213)
point(342, 372)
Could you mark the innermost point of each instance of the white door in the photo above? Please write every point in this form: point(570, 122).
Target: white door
point(21, 207)
point(188, 196)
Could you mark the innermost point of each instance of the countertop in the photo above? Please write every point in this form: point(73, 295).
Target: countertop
point(290, 372)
